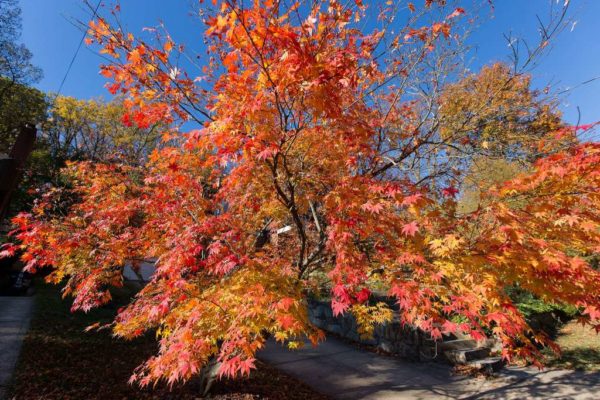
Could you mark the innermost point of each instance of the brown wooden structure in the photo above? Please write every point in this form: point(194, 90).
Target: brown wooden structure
point(11, 168)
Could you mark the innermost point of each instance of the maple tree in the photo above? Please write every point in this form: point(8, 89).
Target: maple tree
point(306, 121)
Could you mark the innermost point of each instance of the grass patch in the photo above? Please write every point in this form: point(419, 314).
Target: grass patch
point(580, 348)
point(60, 361)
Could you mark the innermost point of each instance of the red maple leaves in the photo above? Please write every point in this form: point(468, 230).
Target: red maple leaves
point(299, 175)
point(410, 229)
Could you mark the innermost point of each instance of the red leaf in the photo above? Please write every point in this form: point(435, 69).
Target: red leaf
point(373, 208)
point(450, 191)
point(338, 307)
point(412, 199)
point(363, 295)
point(410, 229)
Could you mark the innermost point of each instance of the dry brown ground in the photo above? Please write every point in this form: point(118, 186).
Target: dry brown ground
point(60, 361)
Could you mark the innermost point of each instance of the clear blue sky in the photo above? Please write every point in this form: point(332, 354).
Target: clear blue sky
point(575, 57)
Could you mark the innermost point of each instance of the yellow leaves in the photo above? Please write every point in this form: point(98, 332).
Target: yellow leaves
point(150, 68)
point(368, 316)
point(446, 268)
point(149, 94)
point(446, 246)
point(221, 21)
point(262, 81)
point(536, 265)
point(163, 332)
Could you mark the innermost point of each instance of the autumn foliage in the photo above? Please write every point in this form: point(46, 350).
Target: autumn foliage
point(304, 120)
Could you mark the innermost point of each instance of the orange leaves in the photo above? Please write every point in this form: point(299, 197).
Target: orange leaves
point(219, 25)
point(135, 56)
point(99, 28)
point(440, 27)
point(229, 62)
point(456, 13)
point(107, 72)
point(306, 168)
point(421, 34)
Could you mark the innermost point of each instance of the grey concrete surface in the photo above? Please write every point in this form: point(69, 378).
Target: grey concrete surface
point(346, 372)
point(146, 270)
point(15, 314)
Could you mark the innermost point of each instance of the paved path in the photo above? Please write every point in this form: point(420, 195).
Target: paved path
point(345, 372)
point(15, 313)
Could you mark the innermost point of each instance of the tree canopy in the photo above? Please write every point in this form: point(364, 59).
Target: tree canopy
point(94, 130)
point(302, 118)
point(15, 58)
point(72, 130)
point(19, 104)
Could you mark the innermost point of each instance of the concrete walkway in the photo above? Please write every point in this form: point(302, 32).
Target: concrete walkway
point(15, 313)
point(345, 372)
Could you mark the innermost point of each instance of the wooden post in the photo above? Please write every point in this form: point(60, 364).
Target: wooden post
point(11, 168)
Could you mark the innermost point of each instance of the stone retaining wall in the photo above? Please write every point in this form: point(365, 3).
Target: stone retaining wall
point(391, 337)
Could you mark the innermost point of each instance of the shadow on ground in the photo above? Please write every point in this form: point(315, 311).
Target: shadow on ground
point(345, 372)
point(547, 384)
point(60, 361)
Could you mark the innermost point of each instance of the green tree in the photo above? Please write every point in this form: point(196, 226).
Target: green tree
point(496, 113)
point(71, 130)
point(94, 130)
point(19, 103)
point(496, 124)
point(15, 58)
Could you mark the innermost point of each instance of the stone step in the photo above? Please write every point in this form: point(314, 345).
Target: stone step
point(465, 355)
point(489, 364)
point(457, 344)
point(461, 335)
